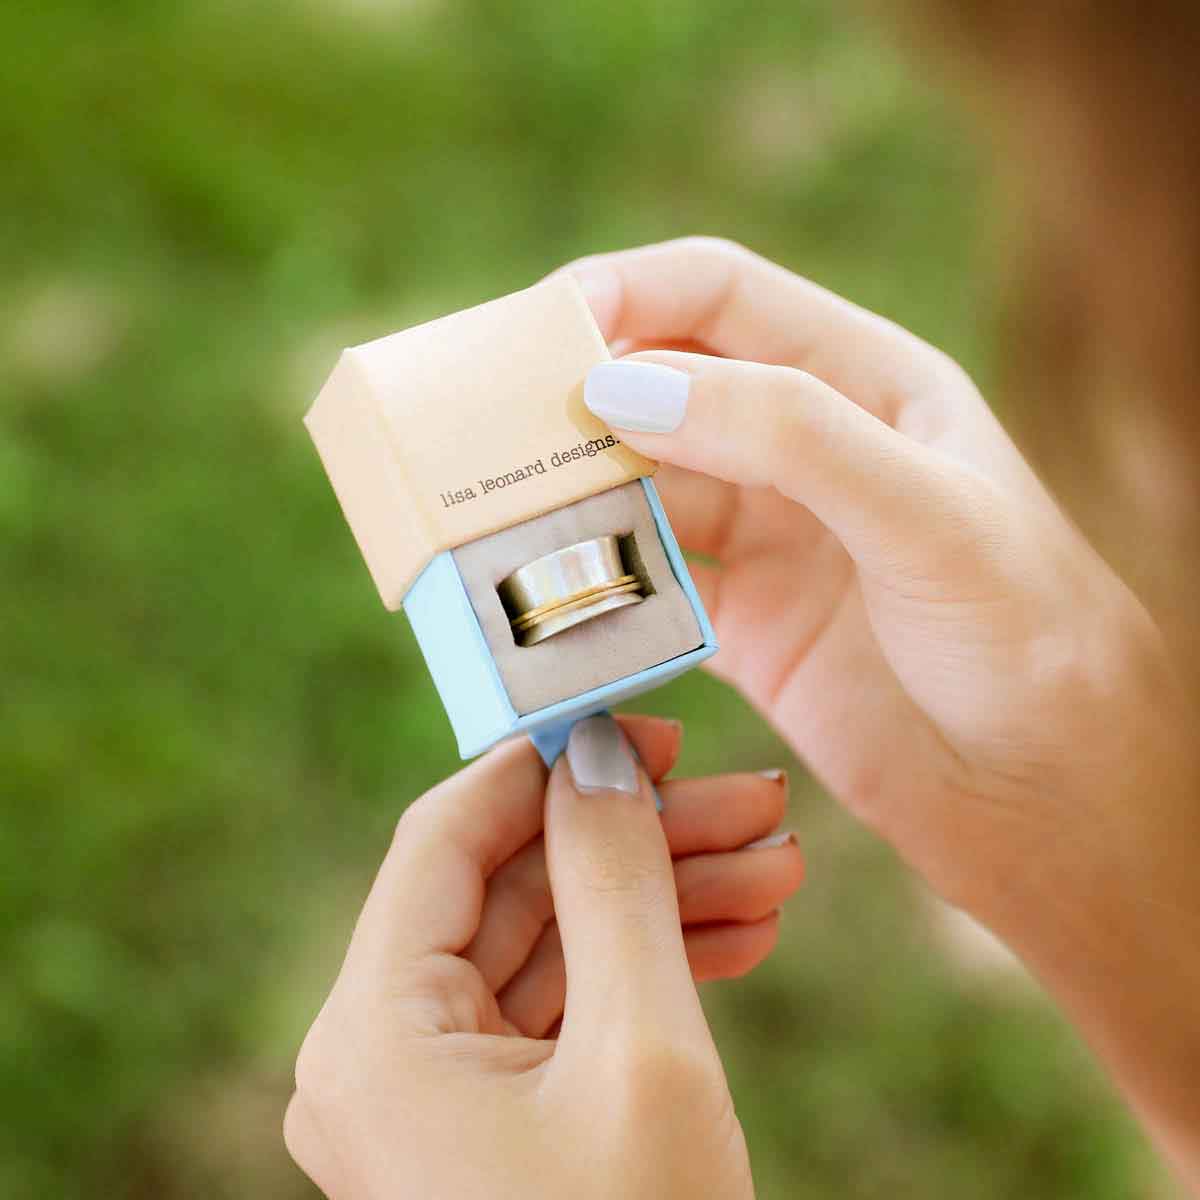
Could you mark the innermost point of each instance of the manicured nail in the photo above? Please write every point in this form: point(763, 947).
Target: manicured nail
point(637, 395)
point(774, 774)
point(769, 843)
point(600, 758)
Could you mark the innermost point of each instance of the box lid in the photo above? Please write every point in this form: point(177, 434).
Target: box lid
point(454, 429)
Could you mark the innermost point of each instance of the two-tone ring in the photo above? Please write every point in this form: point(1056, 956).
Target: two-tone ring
point(566, 588)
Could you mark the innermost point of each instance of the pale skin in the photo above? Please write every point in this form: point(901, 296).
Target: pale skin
point(899, 596)
point(436, 1068)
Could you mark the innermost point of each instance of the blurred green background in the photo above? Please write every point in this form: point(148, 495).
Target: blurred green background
point(210, 725)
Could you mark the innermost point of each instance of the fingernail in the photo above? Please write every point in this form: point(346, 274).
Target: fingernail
point(774, 774)
point(600, 758)
point(637, 395)
point(769, 843)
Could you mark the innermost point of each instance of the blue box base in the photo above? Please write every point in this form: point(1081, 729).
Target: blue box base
point(469, 684)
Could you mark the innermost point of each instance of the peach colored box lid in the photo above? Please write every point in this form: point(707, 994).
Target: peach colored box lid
point(409, 424)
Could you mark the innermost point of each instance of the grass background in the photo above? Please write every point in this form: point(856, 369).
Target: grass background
point(209, 724)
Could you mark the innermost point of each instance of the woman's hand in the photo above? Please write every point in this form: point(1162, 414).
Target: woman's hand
point(895, 590)
point(433, 1070)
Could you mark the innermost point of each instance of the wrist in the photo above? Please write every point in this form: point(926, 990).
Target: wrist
point(1108, 918)
point(1122, 961)
point(1108, 830)
point(1116, 855)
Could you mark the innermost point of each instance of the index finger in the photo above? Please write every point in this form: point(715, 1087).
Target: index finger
point(740, 305)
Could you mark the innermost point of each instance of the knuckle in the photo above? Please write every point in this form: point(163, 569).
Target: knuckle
point(949, 370)
point(866, 792)
point(758, 407)
point(455, 996)
point(419, 823)
point(407, 826)
point(295, 1137)
point(787, 410)
point(414, 818)
point(948, 380)
point(716, 247)
point(662, 1076)
point(313, 1073)
point(1080, 666)
point(308, 1071)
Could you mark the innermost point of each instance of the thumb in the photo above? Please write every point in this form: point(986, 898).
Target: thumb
point(614, 899)
point(891, 501)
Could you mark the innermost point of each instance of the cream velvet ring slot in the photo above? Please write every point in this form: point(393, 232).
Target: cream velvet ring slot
point(567, 587)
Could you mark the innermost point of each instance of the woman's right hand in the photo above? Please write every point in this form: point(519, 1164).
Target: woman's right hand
point(895, 590)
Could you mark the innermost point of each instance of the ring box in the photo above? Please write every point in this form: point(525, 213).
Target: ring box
point(461, 450)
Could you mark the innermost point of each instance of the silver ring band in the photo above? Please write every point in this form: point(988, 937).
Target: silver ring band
point(566, 588)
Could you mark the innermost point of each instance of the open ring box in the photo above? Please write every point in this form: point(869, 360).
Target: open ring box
point(461, 450)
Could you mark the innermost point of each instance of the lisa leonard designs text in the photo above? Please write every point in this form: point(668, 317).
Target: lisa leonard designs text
point(560, 458)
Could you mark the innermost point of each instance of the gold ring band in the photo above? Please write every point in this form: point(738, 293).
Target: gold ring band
point(573, 605)
point(535, 614)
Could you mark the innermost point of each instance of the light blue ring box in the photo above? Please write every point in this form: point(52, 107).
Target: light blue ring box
point(469, 684)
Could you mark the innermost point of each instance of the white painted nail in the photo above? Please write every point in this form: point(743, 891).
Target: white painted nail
point(774, 774)
point(641, 396)
point(600, 758)
point(769, 843)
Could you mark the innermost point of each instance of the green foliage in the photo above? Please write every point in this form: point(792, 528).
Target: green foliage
point(209, 725)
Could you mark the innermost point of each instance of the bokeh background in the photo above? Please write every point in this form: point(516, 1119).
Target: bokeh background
point(209, 725)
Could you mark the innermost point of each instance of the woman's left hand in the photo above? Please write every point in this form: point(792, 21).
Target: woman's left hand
point(434, 1068)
